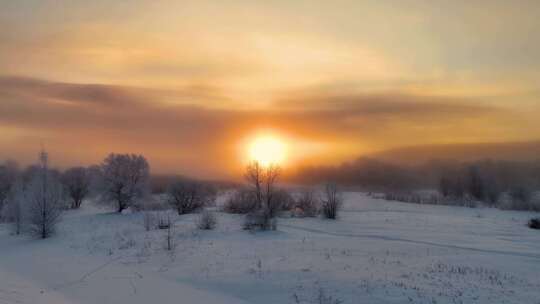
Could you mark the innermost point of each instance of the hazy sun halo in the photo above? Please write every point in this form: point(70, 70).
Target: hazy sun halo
point(267, 150)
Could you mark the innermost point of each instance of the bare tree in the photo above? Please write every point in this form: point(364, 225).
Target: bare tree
point(125, 178)
point(8, 175)
point(254, 177)
point(272, 203)
point(262, 180)
point(331, 201)
point(45, 200)
point(76, 182)
point(188, 196)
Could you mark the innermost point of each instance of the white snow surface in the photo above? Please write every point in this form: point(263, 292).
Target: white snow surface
point(376, 252)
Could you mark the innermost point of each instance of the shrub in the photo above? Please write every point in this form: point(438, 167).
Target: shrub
point(260, 220)
point(207, 220)
point(264, 217)
point(278, 201)
point(331, 201)
point(282, 200)
point(530, 204)
point(306, 205)
point(431, 199)
point(520, 193)
point(189, 196)
point(243, 201)
point(534, 223)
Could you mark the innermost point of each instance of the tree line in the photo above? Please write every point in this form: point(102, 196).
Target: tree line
point(34, 198)
point(498, 183)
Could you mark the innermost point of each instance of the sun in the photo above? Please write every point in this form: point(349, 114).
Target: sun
point(267, 150)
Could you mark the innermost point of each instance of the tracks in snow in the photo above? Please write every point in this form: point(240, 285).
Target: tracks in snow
point(403, 240)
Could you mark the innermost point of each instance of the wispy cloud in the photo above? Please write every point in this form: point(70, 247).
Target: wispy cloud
point(110, 118)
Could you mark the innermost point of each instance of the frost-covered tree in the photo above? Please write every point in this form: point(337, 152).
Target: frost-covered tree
point(43, 200)
point(254, 176)
point(188, 196)
point(262, 181)
point(125, 178)
point(76, 182)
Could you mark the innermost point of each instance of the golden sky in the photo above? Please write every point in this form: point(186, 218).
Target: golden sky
point(188, 83)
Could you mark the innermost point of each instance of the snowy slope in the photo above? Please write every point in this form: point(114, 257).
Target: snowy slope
point(377, 252)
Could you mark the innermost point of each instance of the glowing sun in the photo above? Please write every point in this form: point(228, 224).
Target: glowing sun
point(267, 150)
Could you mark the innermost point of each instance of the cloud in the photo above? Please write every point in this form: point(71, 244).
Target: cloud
point(90, 120)
point(385, 115)
point(387, 104)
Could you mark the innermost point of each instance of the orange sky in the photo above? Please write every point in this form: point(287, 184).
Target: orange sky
point(187, 84)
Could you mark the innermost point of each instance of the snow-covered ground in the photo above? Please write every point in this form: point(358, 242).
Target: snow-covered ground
point(377, 252)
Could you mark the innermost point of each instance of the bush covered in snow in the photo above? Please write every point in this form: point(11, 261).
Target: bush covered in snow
point(521, 193)
point(532, 204)
point(430, 199)
point(242, 201)
point(260, 220)
point(207, 220)
point(308, 204)
point(187, 196)
point(283, 200)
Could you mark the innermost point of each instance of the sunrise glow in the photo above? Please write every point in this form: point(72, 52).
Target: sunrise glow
point(267, 150)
